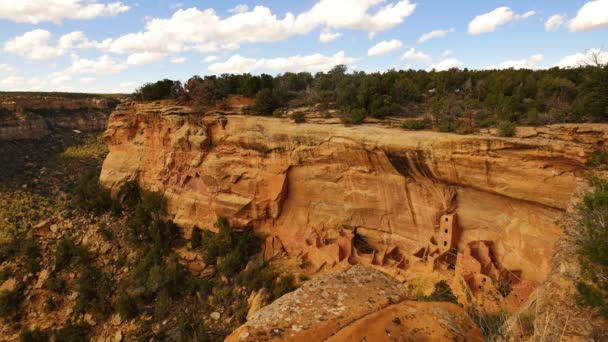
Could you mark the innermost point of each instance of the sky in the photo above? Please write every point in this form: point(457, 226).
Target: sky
point(116, 46)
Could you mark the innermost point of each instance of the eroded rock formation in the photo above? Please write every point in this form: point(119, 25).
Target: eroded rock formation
point(361, 304)
point(368, 194)
point(31, 117)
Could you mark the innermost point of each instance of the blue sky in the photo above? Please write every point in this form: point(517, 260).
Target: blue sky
point(110, 46)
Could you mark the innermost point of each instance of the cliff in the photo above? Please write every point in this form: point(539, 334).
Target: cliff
point(33, 117)
point(481, 206)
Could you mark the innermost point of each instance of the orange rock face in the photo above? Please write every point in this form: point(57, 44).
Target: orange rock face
point(304, 185)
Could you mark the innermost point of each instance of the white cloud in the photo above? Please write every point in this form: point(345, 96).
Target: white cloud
point(33, 45)
point(184, 30)
point(592, 16)
point(5, 68)
point(178, 60)
point(446, 53)
point(103, 65)
point(210, 59)
point(434, 34)
point(583, 59)
point(239, 9)
point(528, 63)
point(176, 5)
point(58, 78)
point(36, 44)
point(88, 80)
point(417, 56)
point(554, 22)
point(447, 64)
point(140, 58)
point(313, 63)
point(328, 36)
point(488, 22)
point(385, 47)
point(37, 11)
point(16, 83)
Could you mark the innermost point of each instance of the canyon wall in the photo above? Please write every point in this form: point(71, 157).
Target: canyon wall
point(310, 187)
point(33, 117)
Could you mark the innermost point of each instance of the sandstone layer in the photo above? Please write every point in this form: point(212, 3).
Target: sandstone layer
point(315, 190)
point(361, 304)
point(29, 117)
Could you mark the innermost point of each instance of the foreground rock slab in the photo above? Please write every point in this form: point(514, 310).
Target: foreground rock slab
point(360, 304)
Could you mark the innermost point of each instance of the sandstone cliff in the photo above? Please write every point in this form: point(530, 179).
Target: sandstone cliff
point(29, 117)
point(317, 190)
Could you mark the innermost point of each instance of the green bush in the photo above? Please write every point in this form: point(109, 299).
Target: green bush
point(94, 290)
point(36, 335)
point(73, 332)
point(441, 293)
point(266, 102)
point(127, 306)
point(298, 117)
point(5, 274)
point(592, 248)
point(68, 254)
point(285, 284)
point(415, 125)
point(10, 303)
point(598, 159)
point(129, 194)
point(506, 129)
point(105, 232)
point(89, 195)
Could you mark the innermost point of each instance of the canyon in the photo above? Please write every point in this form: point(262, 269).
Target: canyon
point(34, 117)
point(481, 211)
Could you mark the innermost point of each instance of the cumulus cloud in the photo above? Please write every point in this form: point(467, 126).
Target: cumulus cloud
point(178, 60)
point(385, 47)
point(528, 63)
point(583, 59)
point(103, 65)
point(239, 9)
point(313, 63)
point(434, 35)
point(418, 56)
point(328, 36)
point(210, 59)
point(488, 22)
point(447, 64)
point(183, 30)
point(592, 16)
point(554, 22)
point(140, 58)
point(446, 53)
point(37, 11)
point(36, 44)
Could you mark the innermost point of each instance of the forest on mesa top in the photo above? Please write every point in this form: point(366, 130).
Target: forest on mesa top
point(459, 100)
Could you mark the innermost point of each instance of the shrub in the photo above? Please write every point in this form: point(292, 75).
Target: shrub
point(105, 232)
point(5, 274)
point(278, 113)
point(36, 335)
point(415, 125)
point(284, 285)
point(441, 293)
point(196, 238)
point(355, 117)
point(89, 195)
point(127, 306)
point(592, 248)
point(266, 102)
point(526, 321)
point(298, 117)
point(506, 129)
point(28, 249)
point(73, 332)
point(10, 303)
point(94, 291)
point(598, 159)
point(129, 194)
point(68, 254)
point(55, 283)
point(492, 326)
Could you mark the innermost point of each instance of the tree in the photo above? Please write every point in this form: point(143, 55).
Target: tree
point(266, 102)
